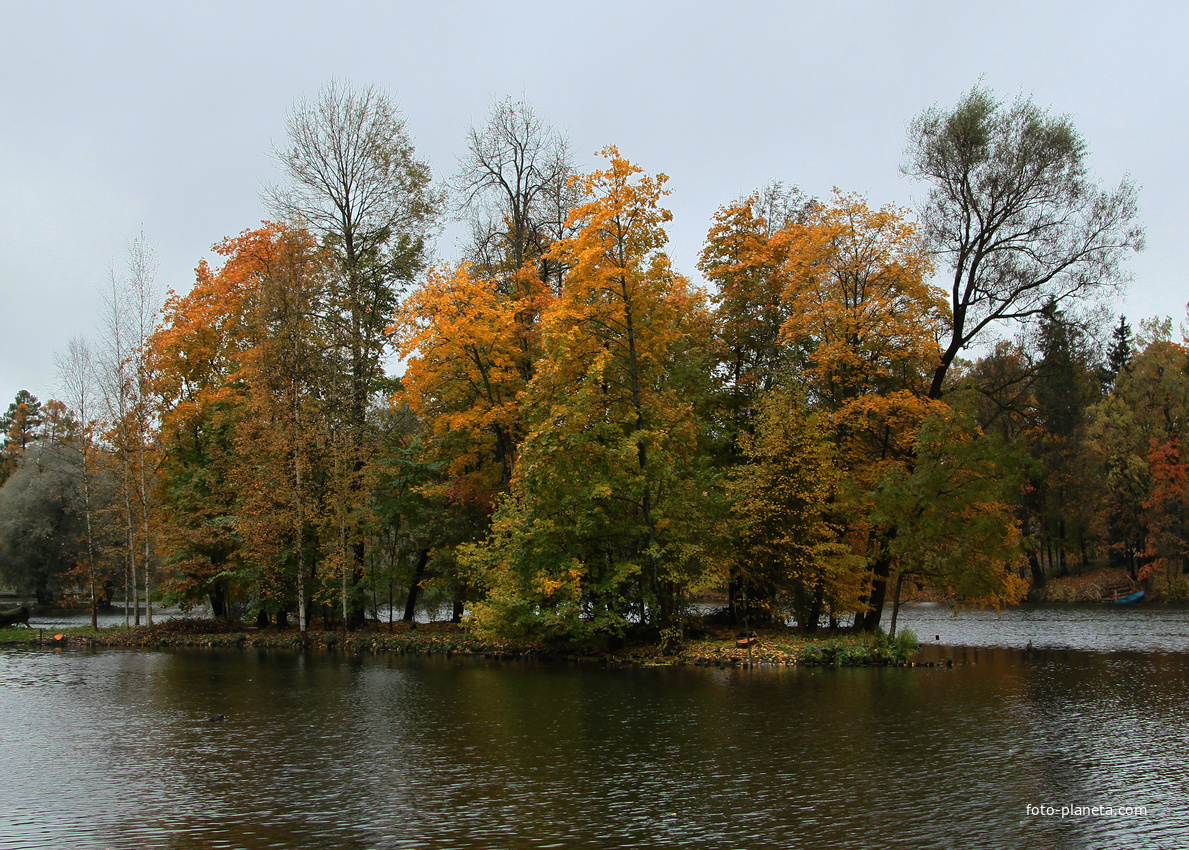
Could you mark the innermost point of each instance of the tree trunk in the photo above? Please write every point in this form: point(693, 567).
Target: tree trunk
point(895, 605)
point(299, 521)
point(90, 535)
point(1038, 573)
point(815, 610)
point(144, 509)
point(131, 530)
point(415, 586)
point(218, 598)
point(879, 592)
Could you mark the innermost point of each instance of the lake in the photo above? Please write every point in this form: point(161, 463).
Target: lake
point(116, 749)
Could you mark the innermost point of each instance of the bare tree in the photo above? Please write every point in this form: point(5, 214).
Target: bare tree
point(1012, 211)
point(514, 183)
point(76, 374)
point(130, 306)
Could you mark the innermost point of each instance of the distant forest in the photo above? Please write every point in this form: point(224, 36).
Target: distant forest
point(562, 436)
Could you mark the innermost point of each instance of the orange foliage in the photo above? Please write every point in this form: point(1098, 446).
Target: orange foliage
point(470, 350)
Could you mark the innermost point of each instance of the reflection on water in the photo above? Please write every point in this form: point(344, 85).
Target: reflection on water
point(115, 749)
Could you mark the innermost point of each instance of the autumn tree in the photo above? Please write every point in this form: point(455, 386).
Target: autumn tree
point(353, 179)
point(196, 359)
point(1136, 437)
point(285, 375)
point(1013, 213)
point(240, 367)
point(864, 322)
point(745, 257)
point(603, 516)
point(792, 554)
point(464, 378)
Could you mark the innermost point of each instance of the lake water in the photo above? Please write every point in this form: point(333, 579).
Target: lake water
point(115, 748)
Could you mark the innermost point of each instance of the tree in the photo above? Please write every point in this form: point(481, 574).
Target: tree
point(864, 324)
point(1013, 212)
point(472, 334)
point(745, 258)
point(21, 425)
point(196, 360)
point(464, 379)
point(1136, 439)
point(76, 372)
point(792, 554)
point(41, 528)
point(354, 180)
point(131, 304)
point(239, 365)
point(514, 180)
point(1065, 386)
point(1119, 352)
point(954, 515)
point(604, 511)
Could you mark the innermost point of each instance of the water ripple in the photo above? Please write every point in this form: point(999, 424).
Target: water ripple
point(328, 752)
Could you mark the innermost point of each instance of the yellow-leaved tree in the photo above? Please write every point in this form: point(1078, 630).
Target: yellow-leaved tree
point(604, 521)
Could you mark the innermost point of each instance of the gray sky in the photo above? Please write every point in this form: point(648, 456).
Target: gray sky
point(118, 117)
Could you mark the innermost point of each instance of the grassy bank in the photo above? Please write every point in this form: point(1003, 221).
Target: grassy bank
point(1102, 584)
point(715, 647)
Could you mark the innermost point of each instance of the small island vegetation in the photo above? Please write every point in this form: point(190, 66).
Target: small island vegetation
point(578, 442)
point(704, 644)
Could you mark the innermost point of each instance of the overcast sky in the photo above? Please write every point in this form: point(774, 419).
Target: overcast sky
point(118, 117)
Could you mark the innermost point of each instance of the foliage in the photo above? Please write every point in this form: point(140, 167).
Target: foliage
point(237, 362)
point(791, 551)
point(744, 257)
point(42, 526)
point(1013, 212)
point(1136, 437)
point(606, 503)
point(19, 425)
point(355, 182)
point(954, 513)
point(582, 441)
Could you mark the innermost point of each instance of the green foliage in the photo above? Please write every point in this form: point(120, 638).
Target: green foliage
point(906, 643)
point(954, 512)
point(1174, 588)
point(859, 650)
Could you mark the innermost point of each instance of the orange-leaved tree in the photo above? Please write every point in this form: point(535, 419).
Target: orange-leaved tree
point(237, 364)
point(466, 346)
point(745, 258)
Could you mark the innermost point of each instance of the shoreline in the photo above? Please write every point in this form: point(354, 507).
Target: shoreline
point(772, 648)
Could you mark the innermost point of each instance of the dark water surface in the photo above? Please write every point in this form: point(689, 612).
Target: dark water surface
point(114, 749)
